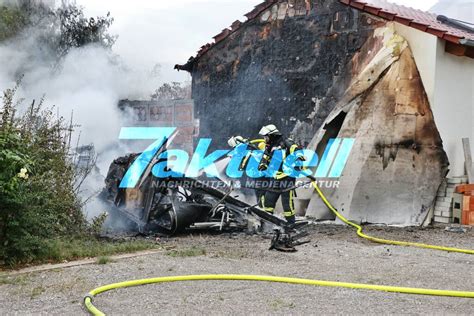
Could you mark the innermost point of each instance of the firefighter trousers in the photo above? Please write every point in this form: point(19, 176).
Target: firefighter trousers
point(269, 200)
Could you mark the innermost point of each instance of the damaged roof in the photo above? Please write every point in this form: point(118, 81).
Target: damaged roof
point(438, 25)
point(452, 31)
point(236, 25)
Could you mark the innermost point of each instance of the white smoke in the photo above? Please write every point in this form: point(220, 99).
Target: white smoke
point(90, 81)
point(87, 84)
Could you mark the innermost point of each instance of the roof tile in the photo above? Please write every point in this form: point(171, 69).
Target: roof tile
point(234, 26)
point(371, 9)
point(402, 20)
point(219, 37)
point(425, 21)
point(421, 20)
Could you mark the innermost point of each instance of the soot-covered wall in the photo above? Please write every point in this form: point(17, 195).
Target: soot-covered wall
point(277, 67)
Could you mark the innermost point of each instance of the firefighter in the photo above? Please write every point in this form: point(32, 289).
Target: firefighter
point(274, 140)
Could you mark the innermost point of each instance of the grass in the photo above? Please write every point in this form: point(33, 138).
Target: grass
point(19, 280)
point(68, 249)
point(71, 249)
point(187, 252)
point(37, 291)
point(103, 260)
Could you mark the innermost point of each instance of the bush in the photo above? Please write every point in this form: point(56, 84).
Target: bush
point(37, 196)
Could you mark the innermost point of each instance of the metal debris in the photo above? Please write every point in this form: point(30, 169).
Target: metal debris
point(170, 207)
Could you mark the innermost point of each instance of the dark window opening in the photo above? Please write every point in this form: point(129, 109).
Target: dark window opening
point(332, 130)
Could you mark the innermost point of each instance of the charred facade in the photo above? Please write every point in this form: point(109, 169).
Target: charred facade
point(320, 70)
point(276, 67)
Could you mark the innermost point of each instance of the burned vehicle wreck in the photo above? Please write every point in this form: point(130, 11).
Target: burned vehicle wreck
point(172, 206)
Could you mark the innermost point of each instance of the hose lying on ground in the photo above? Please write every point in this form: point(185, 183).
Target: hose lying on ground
point(380, 240)
point(359, 228)
point(94, 311)
point(466, 294)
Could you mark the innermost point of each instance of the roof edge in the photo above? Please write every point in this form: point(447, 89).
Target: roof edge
point(236, 25)
point(393, 16)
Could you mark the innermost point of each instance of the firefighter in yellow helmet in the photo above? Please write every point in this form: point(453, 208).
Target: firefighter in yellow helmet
point(273, 140)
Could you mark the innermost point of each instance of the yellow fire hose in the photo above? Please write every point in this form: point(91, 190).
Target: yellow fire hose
point(380, 240)
point(227, 277)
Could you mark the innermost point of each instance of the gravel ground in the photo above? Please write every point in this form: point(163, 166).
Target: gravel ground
point(334, 253)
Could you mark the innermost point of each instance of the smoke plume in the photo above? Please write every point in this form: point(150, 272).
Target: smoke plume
point(87, 83)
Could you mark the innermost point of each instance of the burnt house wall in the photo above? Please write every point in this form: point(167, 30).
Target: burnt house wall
point(276, 67)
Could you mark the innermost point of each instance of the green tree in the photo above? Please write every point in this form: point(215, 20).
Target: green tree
point(59, 29)
point(75, 30)
point(12, 21)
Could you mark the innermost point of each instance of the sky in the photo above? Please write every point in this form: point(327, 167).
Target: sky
point(168, 32)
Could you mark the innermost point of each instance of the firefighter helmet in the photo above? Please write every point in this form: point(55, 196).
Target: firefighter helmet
point(269, 130)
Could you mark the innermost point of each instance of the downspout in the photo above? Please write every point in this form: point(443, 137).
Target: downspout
point(466, 42)
point(456, 23)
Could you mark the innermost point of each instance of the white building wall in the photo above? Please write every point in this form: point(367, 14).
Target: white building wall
point(449, 84)
point(454, 104)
